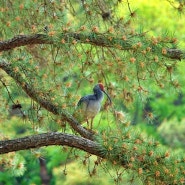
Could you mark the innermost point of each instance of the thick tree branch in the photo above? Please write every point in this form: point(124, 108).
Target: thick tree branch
point(23, 40)
point(43, 101)
point(91, 38)
point(94, 39)
point(63, 139)
point(47, 139)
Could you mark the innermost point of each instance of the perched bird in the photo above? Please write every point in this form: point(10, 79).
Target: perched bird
point(90, 104)
point(15, 110)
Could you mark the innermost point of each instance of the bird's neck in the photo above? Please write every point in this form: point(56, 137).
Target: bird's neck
point(99, 95)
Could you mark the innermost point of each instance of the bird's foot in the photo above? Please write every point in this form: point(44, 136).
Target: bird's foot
point(91, 130)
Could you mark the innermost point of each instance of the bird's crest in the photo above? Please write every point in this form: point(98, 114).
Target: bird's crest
point(101, 86)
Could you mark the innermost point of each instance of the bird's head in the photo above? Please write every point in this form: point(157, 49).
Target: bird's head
point(100, 86)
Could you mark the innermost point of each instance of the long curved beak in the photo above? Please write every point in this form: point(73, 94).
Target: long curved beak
point(108, 97)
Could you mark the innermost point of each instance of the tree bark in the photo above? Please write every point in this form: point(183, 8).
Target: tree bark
point(23, 40)
point(91, 38)
point(48, 139)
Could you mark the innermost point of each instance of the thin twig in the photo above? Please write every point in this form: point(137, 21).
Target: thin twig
point(7, 91)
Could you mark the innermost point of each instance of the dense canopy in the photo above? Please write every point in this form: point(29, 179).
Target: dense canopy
point(54, 52)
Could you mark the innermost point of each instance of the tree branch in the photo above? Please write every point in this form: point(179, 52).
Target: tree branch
point(44, 102)
point(90, 38)
point(48, 139)
point(23, 40)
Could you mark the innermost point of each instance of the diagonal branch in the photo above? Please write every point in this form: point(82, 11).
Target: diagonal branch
point(44, 102)
point(88, 38)
point(47, 139)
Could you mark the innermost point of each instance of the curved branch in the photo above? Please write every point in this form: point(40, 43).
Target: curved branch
point(47, 104)
point(47, 139)
point(90, 38)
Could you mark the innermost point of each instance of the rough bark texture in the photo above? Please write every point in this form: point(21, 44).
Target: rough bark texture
point(91, 38)
point(47, 139)
point(23, 40)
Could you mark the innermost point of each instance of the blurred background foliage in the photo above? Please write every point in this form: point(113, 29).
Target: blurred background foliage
point(69, 71)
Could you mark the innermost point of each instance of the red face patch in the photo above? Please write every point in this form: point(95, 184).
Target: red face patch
point(101, 86)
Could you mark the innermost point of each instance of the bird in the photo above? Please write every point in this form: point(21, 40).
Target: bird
point(16, 110)
point(90, 104)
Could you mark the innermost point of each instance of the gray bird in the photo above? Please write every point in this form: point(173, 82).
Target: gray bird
point(90, 104)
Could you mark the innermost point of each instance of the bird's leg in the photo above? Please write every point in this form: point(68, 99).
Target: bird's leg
point(87, 123)
point(91, 123)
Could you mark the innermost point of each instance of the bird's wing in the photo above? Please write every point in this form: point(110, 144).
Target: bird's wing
point(85, 99)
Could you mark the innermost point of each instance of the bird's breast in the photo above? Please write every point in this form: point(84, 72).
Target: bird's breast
point(92, 108)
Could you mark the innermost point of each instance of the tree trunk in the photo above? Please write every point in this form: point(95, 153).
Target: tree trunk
point(45, 178)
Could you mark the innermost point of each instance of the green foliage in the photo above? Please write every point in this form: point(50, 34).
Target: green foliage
point(56, 156)
point(150, 131)
point(13, 165)
point(32, 169)
point(144, 158)
point(96, 41)
point(172, 132)
point(77, 174)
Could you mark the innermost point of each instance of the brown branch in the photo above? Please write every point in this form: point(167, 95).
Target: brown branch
point(94, 39)
point(44, 102)
point(48, 139)
point(23, 40)
point(91, 38)
point(140, 160)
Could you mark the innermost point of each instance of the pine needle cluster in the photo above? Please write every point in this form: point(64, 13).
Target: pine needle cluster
point(141, 156)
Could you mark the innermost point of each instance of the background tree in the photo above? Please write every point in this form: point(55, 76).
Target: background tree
point(52, 52)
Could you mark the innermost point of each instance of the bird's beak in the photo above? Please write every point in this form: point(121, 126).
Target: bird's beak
point(108, 97)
